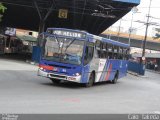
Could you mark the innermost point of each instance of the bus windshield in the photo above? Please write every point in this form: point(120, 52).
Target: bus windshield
point(65, 50)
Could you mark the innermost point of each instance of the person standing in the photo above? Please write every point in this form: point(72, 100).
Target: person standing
point(156, 67)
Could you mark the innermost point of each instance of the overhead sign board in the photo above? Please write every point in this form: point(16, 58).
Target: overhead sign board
point(10, 31)
point(67, 33)
point(63, 13)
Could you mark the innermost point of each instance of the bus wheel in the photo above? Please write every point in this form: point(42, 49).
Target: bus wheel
point(91, 80)
point(114, 81)
point(55, 81)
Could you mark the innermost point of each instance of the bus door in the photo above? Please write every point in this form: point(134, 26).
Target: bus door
point(88, 55)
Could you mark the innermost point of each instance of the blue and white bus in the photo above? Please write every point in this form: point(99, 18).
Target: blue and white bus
point(77, 56)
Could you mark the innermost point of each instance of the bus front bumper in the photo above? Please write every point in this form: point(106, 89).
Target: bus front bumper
point(76, 79)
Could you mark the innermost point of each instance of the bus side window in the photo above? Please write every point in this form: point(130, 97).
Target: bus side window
point(120, 56)
point(115, 52)
point(88, 54)
point(98, 49)
point(125, 53)
point(110, 51)
point(103, 50)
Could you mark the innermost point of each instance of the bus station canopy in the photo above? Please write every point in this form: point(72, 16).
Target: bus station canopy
point(27, 38)
point(93, 16)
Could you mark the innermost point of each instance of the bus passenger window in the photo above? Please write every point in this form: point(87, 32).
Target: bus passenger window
point(103, 51)
point(125, 53)
point(99, 53)
point(110, 51)
point(98, 49)
point(115, 56)
point(120, 56)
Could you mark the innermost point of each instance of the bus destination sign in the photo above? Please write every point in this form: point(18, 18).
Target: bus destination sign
point(68, 33)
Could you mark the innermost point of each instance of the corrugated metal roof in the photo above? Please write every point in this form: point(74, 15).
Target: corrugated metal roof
point(93, 16)
point(129, 1)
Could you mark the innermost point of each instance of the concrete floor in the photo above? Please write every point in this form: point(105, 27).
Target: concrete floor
point(22, 91)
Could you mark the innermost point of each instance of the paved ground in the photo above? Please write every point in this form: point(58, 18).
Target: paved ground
point(22, 91)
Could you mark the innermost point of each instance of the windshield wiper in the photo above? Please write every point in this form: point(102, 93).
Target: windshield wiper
point(69, 44)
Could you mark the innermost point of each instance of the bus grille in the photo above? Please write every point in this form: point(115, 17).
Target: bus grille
point(58, 76)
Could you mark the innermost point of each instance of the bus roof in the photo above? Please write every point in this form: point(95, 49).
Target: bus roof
point(94, 36)
point(110, 41)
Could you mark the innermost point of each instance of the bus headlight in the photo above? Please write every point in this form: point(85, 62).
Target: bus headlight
point(41, 68)
point(77, 74)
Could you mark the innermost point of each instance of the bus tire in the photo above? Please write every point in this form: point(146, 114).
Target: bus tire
point(114, 81)
point(55, 81)
point(91, 80)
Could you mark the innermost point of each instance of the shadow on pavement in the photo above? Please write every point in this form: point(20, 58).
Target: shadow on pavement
point(72, 85)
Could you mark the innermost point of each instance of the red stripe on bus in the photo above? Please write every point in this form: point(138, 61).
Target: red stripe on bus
point(46, 67)
point(109, 72)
